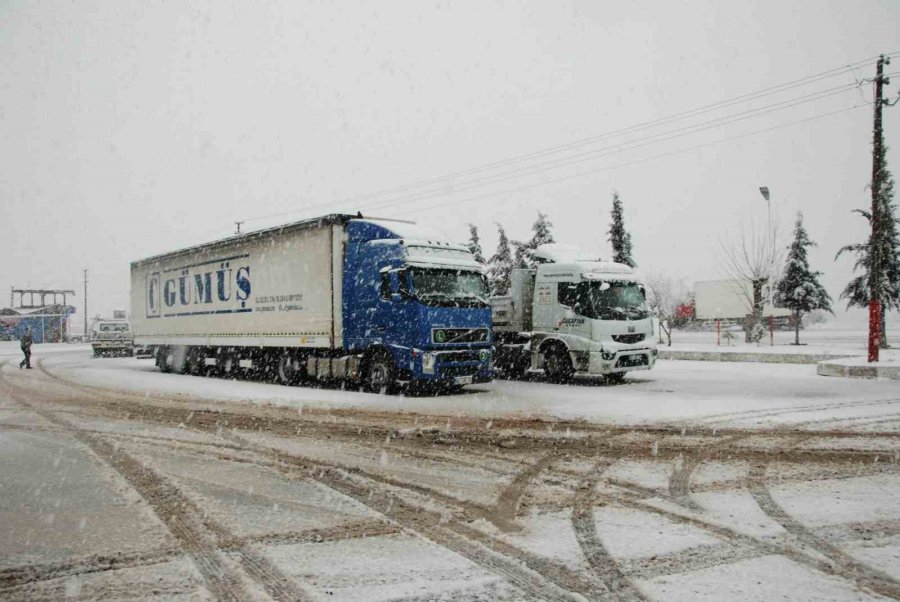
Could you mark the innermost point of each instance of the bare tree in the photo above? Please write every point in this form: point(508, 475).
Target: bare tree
point(751, 259)
point(664, 295)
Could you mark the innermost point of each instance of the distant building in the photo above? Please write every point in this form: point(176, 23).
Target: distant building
point(48, 321)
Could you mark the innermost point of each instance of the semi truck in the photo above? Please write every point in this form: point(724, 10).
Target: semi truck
point(573, 315)
point(376, 302)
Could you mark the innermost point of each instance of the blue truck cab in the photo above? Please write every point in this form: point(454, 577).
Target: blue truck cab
point(417, 303)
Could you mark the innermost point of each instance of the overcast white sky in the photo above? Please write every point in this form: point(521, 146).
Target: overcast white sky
point(132, 128)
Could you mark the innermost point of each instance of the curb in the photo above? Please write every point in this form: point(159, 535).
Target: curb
point(828, 368)
point(745, 356)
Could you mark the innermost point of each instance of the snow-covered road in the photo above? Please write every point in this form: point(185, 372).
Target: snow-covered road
point(697, 481)
point(682, 392)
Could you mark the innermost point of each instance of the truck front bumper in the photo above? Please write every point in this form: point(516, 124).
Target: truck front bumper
point(107, 345)
point(447, 367)
point(624, 360)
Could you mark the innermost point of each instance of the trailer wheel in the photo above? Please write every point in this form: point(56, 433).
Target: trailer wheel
point(381, 374)
point(558, 364)
point(164, 359)
point(289, 369)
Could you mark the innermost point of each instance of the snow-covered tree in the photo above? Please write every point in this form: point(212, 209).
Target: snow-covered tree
point(540, 235)
point(619, 237)
point(474, 244)
point(500, 265)
point(521, 259)
point(750, 258)
point(887, 240)
point(665, 295)
point(799, 289)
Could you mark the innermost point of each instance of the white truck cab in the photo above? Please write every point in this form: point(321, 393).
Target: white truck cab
point(574, 315)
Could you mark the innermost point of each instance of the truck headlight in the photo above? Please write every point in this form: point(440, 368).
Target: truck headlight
point(608, 355)
point(428, 362)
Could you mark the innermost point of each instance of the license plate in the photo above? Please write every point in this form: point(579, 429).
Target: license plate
point(462, 380)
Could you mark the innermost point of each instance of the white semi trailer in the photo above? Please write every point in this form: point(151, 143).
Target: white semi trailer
point(573, 315)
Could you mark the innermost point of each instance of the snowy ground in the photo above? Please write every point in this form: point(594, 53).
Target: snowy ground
point(695, 481)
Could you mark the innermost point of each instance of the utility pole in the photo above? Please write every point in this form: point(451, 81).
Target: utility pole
point(876, 261)
point(85, 301)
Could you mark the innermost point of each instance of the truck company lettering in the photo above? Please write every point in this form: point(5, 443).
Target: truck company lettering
point(191, 291)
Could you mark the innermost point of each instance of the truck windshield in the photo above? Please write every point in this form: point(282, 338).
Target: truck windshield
point(449, 288)
point(605, 300)
point(113, 328)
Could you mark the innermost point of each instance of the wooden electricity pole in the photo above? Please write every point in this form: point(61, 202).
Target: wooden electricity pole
point(876, 261)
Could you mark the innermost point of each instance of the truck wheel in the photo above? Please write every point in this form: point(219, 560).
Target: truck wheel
point(558, 364)
point(381, 375)
point(289, 369)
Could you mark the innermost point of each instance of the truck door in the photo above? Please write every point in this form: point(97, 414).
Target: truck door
point(571, 323)
point(394, 315)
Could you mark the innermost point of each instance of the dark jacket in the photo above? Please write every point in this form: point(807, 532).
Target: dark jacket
point(26, 341)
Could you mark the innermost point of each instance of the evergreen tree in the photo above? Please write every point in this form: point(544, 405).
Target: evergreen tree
point(500, 265)
point(474, 244)
point(540, 235)
point(521, 261)
point(618, 235)
point(799, 289)
point(887, 239)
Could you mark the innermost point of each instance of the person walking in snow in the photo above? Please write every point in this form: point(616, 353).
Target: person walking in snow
point(26, 342)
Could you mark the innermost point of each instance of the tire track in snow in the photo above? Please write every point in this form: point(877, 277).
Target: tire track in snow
point(15, 577)
point(841, 563)
point(508, 500)
point(836, 563)
point(598, 557)
point(198, 537)
point(540, 578)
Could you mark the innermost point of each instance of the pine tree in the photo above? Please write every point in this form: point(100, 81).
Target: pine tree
point(799, 289)
point(521, 261)
point(618, 235)
point(888, 240)
point(540, 235)
point(474, 244)
point(500, 265)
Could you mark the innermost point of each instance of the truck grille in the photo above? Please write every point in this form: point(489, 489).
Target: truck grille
point(459, 335)
point(458, 356)
point(451, 371)
point(626, 361)
point(628, 338)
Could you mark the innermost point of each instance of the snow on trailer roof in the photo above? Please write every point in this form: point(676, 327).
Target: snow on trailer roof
point(325, 220)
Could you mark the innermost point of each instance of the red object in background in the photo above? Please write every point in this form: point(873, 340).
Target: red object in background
point(874, 329)
point(684, 311)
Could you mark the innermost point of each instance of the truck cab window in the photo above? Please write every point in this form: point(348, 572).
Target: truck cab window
point(565, 293)
point(385, 289)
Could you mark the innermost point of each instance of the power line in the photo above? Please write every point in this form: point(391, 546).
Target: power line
point(590, 140)
point(638, 161)
point(610, 150)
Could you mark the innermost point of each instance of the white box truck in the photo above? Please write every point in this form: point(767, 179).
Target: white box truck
point(573, 315)
point(334, 298)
